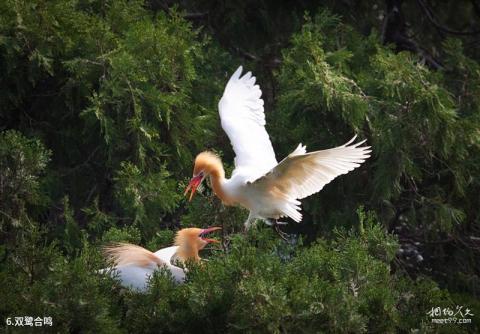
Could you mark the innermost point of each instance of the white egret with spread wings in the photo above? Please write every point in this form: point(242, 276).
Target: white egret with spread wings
point(268, 189)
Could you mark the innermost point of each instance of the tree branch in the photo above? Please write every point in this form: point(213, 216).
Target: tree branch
point(195, 16)
point(431, 17)
point(394, 31)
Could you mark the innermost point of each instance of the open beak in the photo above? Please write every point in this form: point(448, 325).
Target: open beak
point(193, 185)
point(207, 231)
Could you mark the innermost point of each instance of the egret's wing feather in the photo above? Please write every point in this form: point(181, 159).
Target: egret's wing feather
point(302, 174)
point(134, 277)
point(167, 255)
point(243, 120)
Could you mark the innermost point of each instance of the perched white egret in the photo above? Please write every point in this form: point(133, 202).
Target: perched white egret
point(134, 265)
point(268, 189)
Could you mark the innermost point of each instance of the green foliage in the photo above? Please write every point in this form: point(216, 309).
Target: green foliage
point(145, 92)
point(319, 83)
point(143, 196)
point(22, 162)
point(40, 281)
point(260, 285)
point(129, 234)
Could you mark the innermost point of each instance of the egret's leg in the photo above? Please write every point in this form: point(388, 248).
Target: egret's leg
point(273, 222)
point(249, 221)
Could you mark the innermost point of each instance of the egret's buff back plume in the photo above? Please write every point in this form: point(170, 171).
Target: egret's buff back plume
point(125, 254)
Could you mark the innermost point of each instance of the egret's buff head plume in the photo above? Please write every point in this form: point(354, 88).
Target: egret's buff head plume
point(208, 163)
point(191, 240)
point(124, 254)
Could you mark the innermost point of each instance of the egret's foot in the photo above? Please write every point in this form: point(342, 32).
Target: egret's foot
point(269, 222)
point(275, 224)
point(280, 233)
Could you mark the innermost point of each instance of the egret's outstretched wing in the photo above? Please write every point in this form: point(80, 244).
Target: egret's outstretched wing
point(302, 174)
point(243, 119)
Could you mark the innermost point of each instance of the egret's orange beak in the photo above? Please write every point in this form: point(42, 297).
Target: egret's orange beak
point(193, 185)
point(209, 230)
